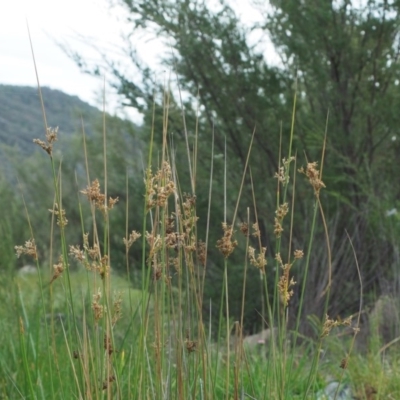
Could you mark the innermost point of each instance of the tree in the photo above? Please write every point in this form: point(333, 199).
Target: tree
point(342, 57)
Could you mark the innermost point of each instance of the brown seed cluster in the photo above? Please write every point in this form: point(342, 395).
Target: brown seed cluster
point(58, 270)
point(29, 248)
point(156, 245)
point(159, 187)
point(312, 173)
point(256, 230)
point(51, 137)
point(283, 174)
point(133, 236)
point(344, 363)
point(167, 247)
point(191, 345)
point(298, 254)
point(286, 283)
point(117, 308)
point(226, 245)
point(202, 253)
point(108, 347)
point(97, 307)
point(244, 228)
point(90, 257)
point(189, 217)
point(258, 261)
point(97, 198)
point(329, 324)
point(60, 214)
point(280, 214)
point(106, 383)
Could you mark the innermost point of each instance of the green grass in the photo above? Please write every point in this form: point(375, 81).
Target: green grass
point(83, 332)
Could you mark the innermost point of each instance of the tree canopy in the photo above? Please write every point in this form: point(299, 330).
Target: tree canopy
point(340, 58)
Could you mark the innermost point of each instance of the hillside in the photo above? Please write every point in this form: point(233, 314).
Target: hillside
point(21, 117)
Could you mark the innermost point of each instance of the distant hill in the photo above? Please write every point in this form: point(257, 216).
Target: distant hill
point(21, 117)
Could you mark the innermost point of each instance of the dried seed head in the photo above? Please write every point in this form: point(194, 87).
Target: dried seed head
point(329, 324)
point(97, 308)
point(190, 247)
point(93, 252)
point(344, 363)
point(93, 193)
point(112, 202)
point(160, 185)
point(280, 175)
point(97, 198)
point(284, 288)
point(244, 228)
point(58, 270)
point(256, 230)
point(260, 261)
point(172, 240)
point(312, 174)
point(225, 245)
point(191, 345)
point(51, 137)
point(189, 213)
point(29, 248)
point(202, 253)
point(117, 308)
point(277, 228)
point(133, 236)
point(104, 267)
point(108, 345)
point(298, 254)
point(157, 273)
point(106, 383)
point(61, 219)
point(282, 211)
point(86, 240)
point(283, 174)
point(164, 192)
point(155, 244)
point(169, 224)
point(77, 253)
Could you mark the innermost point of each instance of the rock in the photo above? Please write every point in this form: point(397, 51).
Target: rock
point(27, 269)
point(329, 393)
point(260, 339)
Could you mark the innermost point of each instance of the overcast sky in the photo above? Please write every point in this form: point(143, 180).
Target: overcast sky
point(55, 20)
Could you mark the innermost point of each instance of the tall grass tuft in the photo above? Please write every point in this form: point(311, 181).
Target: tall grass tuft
point(85, 333)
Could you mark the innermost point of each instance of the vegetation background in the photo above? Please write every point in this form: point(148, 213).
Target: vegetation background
point(341, 60)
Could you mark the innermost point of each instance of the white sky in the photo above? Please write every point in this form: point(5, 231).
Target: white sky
point(60, 20)
point(50, 21)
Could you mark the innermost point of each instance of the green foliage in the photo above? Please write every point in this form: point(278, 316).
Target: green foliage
point(341, 58)
point(342, 61)
point(345, 58)
point(21, 116)
point(30, 182)
point(65, 333)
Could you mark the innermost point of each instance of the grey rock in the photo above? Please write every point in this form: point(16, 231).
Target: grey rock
point(331, 390)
